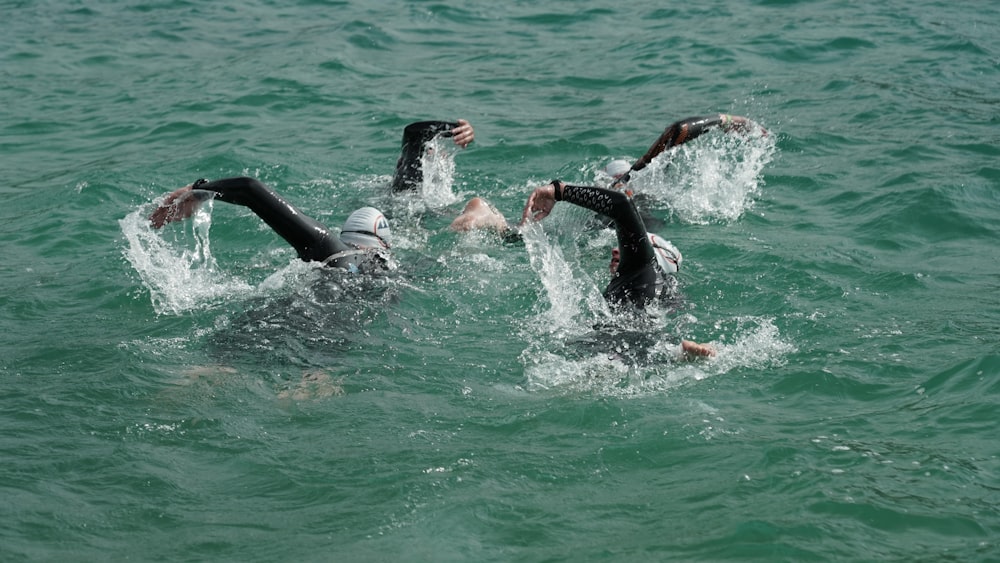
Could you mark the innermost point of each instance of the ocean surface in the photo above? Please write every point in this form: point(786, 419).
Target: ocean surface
point(197, 393)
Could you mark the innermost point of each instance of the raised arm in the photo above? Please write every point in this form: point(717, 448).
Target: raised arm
point(685, 130)
point(311, 239)
point(409, 174)
point(636, 252)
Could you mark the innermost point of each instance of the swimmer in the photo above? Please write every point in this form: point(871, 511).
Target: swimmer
point(362, 245)
point(642, 266)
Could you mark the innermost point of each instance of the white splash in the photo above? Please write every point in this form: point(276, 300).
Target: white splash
point(756, 344)
point(568, 298)
point(438, 163)
point(176, 265)
point(714, 179)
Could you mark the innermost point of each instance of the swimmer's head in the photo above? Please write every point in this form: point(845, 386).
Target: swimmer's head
point(617, 168)
point(366, 228)
point(668, 258)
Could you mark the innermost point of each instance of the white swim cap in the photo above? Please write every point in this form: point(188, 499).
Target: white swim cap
point(668, 258)
point(617, 168)
point(367, 228)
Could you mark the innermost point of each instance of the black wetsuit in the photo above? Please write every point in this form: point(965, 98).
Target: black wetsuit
point(312, 240)
point(637, 280)
point(409, 173)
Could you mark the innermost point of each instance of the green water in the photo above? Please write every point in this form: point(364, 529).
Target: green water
point(197, 394)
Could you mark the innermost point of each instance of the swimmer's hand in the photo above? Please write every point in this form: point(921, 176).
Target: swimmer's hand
point(540, 204)
point(740, 124)
point(177, 206)
point(463, 135)
point(692, 350)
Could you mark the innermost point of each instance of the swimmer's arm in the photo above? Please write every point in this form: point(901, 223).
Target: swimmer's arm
point(309, 237)
point(182, 203)
point(636, 251)
point(479, 214)
point(689, 129)
point(247, 192)
point(416, 136)
point(693, 127)
point(540, 203)
point(612, 203)
point(422, 132)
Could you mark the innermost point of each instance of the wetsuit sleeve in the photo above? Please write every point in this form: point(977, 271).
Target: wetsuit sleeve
point(409, 174)
point(312, 240)
point(636, 281)
point(685, 130)
point(633, 244)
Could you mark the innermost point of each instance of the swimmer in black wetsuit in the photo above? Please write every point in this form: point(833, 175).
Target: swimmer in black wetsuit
point(416, 136)
point(640, 262)
point(361, 247)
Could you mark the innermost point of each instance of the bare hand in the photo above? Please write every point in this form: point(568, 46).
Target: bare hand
point(693, 350)
point(463, 134)
point(177, 206)
point(540, 204)
point(740, 124)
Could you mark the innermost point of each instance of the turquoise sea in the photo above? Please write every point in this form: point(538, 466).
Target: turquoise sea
point(198, 394)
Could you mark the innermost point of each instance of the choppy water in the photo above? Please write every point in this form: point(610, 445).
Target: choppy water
point(198, 394)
